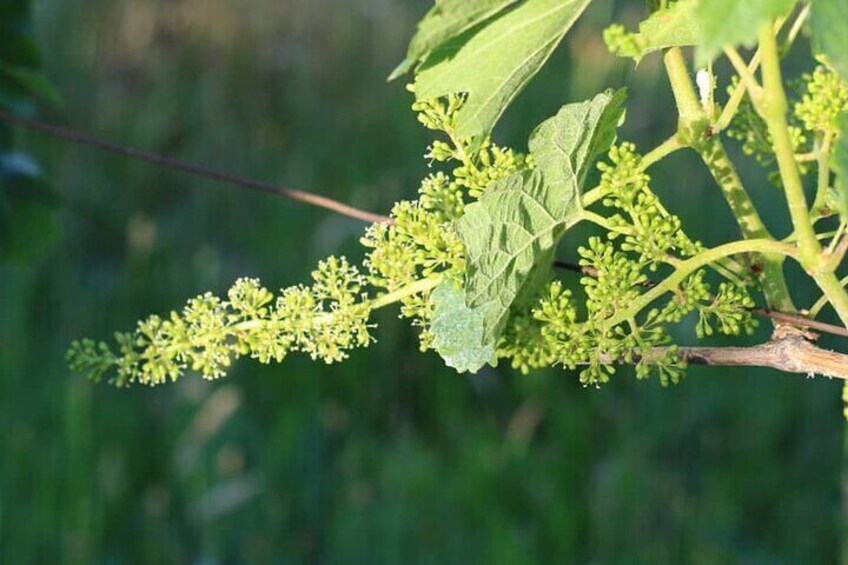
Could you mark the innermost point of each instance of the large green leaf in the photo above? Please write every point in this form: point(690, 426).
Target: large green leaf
point(734, 22)
point(511, 233)
point(494, 64)
point(458, 330)
point(446, 20)
point(829, 21)
point(675, 26)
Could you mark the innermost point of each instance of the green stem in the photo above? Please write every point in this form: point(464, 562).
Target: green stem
point(835, 294)
point(750, 223)
point(745, 72)
point(688, 105)
point(410, 290)
point(599, 220)
point(686, 268)
point(835, 243)
point(736, 97)
point(816, 308)
point(738, 94)
point(773, 107)
point(662, 150)
point(715, 157)
point(820, 236)
point(592, 196)
point(823, 176)
point(796, 28)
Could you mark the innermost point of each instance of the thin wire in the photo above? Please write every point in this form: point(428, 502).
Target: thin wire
point(299, 195)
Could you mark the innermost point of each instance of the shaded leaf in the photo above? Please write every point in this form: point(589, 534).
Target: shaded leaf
point(734, 22)
point(458, 331)
point(446, 20)
point(494, 64)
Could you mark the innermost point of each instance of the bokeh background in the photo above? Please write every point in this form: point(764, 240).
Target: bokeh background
point(390, 457)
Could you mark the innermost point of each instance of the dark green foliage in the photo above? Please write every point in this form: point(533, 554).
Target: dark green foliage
point(27, 204)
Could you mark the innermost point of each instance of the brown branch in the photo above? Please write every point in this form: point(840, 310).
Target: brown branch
point(800, 322)
point(788, 351)
point(794, 320)
point(299, 195)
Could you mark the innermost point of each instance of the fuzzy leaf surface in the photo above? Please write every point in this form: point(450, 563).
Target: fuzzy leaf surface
point(494, 64)
point(511, 233)
point(458, 330)
point(446, 20)
point(734, 22)
point(565, 146)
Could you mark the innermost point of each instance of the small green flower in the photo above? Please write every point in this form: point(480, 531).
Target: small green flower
point(824, 100)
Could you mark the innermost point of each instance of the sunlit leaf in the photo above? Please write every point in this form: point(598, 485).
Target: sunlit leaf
point(492, 65)
point(446, 20)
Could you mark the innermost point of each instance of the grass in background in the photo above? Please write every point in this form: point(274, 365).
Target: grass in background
point(390, 457)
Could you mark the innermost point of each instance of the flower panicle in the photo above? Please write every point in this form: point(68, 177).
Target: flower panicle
point(325, 321)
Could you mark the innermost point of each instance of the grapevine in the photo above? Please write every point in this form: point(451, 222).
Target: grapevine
point(470, 262)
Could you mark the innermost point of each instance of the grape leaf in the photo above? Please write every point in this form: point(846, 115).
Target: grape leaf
point(457, 330)
point(675, 26)
point(446, 20)
point(561, 147)
point(829, 22)
point(511, 233)
point(494, 64)
point(735, 22)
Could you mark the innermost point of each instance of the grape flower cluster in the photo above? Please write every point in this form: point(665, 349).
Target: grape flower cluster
point(822, 100)
point(592, 327)
point(643, 237)
point(329, 318)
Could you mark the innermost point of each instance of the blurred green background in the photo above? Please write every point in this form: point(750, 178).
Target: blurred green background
point(388, 458)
